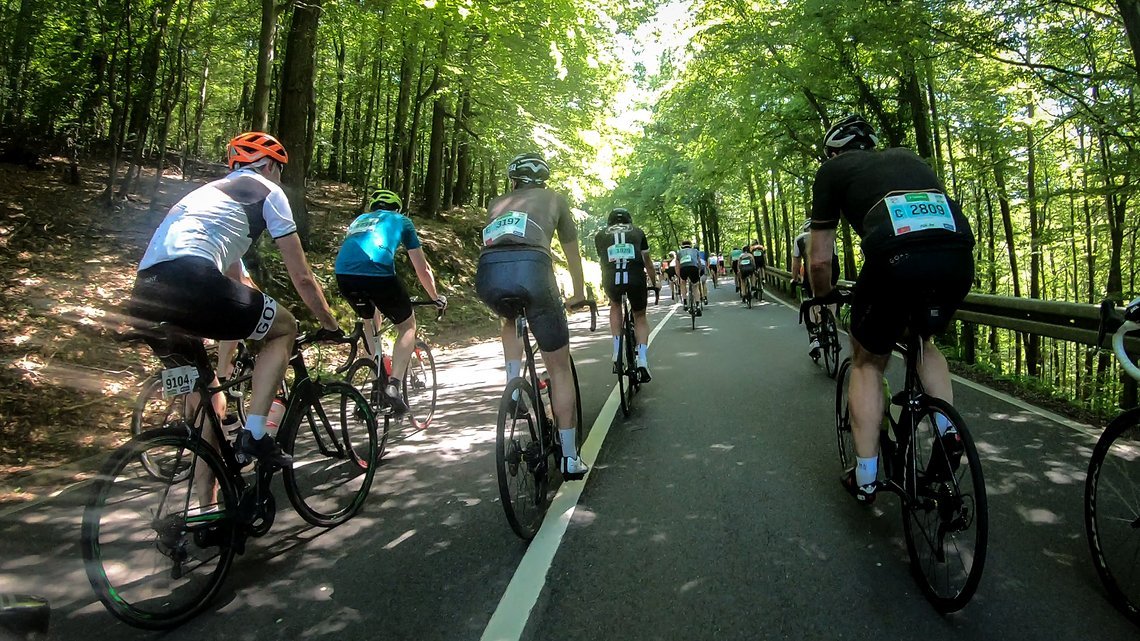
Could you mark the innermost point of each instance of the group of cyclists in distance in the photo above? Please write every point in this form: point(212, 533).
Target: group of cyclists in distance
point(918, 268)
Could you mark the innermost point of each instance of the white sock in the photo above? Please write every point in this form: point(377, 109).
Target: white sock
point(256, 426)
point(643, 355)
point(617, 346)
point(569, 447)
point(514, 370)
point(942, 423)
point(867, 470)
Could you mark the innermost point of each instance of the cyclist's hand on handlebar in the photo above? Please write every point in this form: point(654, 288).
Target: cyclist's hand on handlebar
point(441, 302)
point(574, 302)
point(329, 335)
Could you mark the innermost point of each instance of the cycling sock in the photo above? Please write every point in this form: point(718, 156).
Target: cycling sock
point(514, 370)
point(256, 426)
point(643, 355)
point(569, 447)
point(617, 346)
point(942, 423)
point(867, 470)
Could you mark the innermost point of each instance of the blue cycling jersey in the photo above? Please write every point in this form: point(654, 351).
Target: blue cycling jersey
point(369, 249)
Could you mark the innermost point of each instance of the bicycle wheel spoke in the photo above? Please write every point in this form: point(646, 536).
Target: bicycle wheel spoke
point(1112, 515)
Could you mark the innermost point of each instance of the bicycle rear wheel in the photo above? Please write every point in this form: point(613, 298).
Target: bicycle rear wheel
point(335, 430)
point(844, 436)
point(420, 388)
point(157, 549)
point(363, 376)
point(1112, 511)
point(152, 411)
point(945, 515)
point(521, 465)
point(623, 364)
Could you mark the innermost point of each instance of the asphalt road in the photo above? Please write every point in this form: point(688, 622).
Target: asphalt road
point(714, 512)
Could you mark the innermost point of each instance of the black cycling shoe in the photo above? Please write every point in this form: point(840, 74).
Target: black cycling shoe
point(264, 449)
point(643, 376)
point(395, 400)
point(865, 494)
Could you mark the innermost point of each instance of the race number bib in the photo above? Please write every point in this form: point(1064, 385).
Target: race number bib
point(687, 259)
point(512, 223)
point(179, 380)
point(746, 260)
point(363, 224)
point(919, 211)
point(621, 251)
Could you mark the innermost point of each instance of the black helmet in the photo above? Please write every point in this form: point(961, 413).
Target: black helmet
point(528, 168)
point(619, 216)
point(686, 243)
point(853, 132)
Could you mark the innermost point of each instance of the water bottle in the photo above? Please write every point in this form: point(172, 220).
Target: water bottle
point(386, 372)
point(230, 426)
point(276, 412)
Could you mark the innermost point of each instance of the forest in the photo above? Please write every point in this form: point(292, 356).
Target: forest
point(704, 118)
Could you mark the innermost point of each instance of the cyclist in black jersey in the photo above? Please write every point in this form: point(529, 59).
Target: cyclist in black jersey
point(918, 267)
point(627, 269)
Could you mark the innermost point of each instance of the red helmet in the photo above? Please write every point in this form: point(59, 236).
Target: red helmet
point(253, 146)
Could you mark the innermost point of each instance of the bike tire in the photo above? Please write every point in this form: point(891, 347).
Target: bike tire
point(326, 483)
point(421, 388)
point(362, 375)
point(520, 467)
point(625, 390)
point(1112, 511)
point(844, 436)
point(933, 487)
point(831, 349)
point(141, 601)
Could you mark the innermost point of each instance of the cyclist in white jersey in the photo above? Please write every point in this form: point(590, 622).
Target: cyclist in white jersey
point(189, 278)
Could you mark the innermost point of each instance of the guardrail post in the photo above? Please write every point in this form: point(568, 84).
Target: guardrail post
point(969, 352)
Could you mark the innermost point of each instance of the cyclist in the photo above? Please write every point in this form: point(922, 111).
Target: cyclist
point(746, 268)
point(516, 263)
point(918, 268)
point(704, 275)
point(366, 276)
point(671, 271)
point(761, 258)
point(688, 269)
point(189, 278)
point(626, 268)
point(735, 256)
point(714, 265)
point(800, 253)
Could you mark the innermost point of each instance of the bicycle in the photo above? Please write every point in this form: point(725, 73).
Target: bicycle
point(1112, 486)
point(695, 307)
point(629, 382)
point(942, 493)
point(826, 332)
point(370, 374)
point(528, 452)
point(191, 519)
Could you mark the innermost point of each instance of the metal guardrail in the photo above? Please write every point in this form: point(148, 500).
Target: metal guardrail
point(1076, 322)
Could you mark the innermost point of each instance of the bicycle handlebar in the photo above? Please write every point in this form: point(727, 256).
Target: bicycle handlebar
point(593, 305)
point(835, 296)
point(323, 335)
point(431, 303)
point(1131, 323)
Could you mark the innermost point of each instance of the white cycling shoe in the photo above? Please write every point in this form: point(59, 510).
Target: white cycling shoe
point(574, 469)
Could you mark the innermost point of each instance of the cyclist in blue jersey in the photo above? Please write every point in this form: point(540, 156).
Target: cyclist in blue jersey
point(366, 276)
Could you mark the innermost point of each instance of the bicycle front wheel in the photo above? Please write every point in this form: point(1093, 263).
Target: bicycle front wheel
point(420, 387)
point(945, 515)
point(521, 465)
point(1112, 511)
point(844, 437)
point(157, 549)
point(336, 430)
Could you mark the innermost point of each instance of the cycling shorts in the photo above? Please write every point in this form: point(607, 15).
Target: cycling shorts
point(747, 270)
point(919, 288)
point(635, 289)
point(735, 266)
point(691, 273)
point(366, 294)
point(528, 275)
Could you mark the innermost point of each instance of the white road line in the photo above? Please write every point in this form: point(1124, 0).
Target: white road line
point(1076, 426)
point(511, 616)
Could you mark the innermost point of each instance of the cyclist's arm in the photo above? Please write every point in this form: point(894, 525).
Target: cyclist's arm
point(650, 271)
point(574, 266)
point(819, 261)
point(304, 282)
point(423, 272)
point(797, 266)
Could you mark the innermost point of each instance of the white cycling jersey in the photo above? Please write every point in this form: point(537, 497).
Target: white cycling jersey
point(220, 220)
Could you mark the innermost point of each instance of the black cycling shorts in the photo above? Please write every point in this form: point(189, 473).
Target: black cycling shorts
point(190, 293)
point(526, 274)
point(919, 287)
point(691, 273)
point(195, 300)
point(735, 266)
point(366, 294)
point(747, 270)
point(634, 287)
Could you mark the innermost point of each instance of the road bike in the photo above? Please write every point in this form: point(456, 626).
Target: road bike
point(369, 374)
point(629, 381)
point(528, 452)
point(1112, 486)
point(158, 539)
point(695, 306)
point(938, 479)
point(826, 332)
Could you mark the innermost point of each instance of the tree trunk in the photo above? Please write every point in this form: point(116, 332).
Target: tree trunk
point(1130, 12)
point(296, 94)
point(23, 34)
point(433, 181)
point(399, 125)
point(149, 71)
point(263, 80)
point(334, 168)
point(1032, 341)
